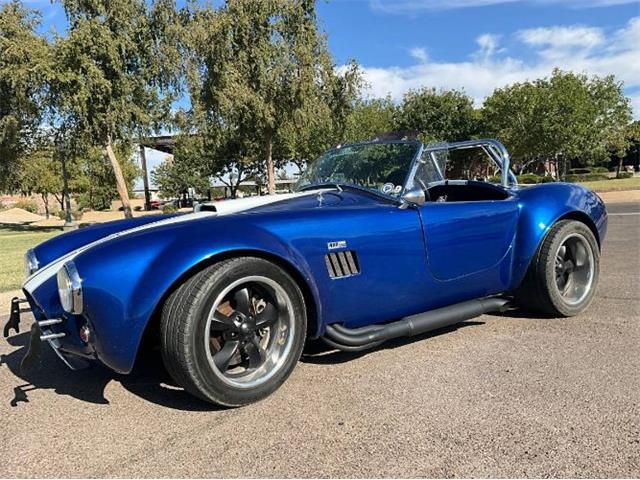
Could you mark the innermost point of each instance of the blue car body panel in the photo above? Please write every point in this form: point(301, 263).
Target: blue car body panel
point(411, 259)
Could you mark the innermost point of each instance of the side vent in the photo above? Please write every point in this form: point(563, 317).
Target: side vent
point(342, 264)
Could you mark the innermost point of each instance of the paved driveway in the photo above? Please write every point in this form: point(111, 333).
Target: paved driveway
point(511, 395)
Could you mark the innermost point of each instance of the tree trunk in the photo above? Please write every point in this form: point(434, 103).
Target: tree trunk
point(145, 178)
point(120, 183)
point(67, 198)
point(619, 167)
point(271, 177)
point(45, 201)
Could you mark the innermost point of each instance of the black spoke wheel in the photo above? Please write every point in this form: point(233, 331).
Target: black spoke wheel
point(233, 332)
point(250, 331)
point(563, 275)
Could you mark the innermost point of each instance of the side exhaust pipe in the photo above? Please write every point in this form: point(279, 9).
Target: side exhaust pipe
point(357, 339)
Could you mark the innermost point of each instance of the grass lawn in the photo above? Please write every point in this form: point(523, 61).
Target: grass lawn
point(13, 245)
point(612, 185)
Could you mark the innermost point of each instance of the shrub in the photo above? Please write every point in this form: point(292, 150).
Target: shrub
point(28, 205)
point(495, 179)
point(529, 178)
point(594, 177)
point(169, 208)
point(599, 170)
point(547, 179)
point(137, 208)
point(75, 214)
point(624, 175)
point(572, 178)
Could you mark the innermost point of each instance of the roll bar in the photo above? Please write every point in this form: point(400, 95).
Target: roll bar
point(491, 146)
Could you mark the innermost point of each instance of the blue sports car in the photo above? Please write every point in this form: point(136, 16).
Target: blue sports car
point(382, 239)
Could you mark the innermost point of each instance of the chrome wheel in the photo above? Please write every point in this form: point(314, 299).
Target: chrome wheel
point(249, 331)
point(574, 268)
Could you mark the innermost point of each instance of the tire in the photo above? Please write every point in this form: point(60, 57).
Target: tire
point(563, 275)
point(252, 315)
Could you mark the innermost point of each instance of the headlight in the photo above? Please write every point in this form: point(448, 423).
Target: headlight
point(31, 263)
point(70, 288)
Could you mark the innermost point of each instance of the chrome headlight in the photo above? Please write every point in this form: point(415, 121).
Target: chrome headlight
point(31, 263)
point(70, 288)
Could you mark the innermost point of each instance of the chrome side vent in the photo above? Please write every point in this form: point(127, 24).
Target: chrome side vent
point(342, 264)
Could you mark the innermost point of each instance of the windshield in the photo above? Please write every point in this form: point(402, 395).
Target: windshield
point(381, 167)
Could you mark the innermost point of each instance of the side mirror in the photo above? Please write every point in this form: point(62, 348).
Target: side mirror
point(415, 196)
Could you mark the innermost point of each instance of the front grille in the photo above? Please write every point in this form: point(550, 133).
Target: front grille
point(342, 264)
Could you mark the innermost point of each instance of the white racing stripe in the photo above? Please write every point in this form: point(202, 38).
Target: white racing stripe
point(225, 207)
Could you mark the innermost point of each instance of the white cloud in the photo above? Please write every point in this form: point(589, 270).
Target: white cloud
point(420, 54)
point(488, 44)
point(414, 6)
point(617, 53)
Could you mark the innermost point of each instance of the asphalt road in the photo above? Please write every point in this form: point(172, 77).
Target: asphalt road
point(506, 396)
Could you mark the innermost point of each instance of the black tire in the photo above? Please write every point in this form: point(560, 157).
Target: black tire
point(185, 318)
point(542, 287)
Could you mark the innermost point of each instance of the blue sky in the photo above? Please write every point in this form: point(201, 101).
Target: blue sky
point(475, 45)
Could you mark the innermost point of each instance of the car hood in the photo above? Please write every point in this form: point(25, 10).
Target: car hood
point(51, 255)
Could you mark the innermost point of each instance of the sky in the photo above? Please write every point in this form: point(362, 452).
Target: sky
point(474, 45)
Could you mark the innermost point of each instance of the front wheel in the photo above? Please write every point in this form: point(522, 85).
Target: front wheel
point(233, 333)
point(563, 275)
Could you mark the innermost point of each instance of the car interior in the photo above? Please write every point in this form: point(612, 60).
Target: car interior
point(470, 175)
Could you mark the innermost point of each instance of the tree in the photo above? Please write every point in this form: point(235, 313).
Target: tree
point(446, 115)
point(266, 69)
point(40, 174)
point(117, 74)
point(370, 118)
point(566, 117)
point(24, 68)
point(174, 179)
point(92, 179)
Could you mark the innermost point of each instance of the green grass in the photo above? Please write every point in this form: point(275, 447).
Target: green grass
point(13, 245)
point(612, 185)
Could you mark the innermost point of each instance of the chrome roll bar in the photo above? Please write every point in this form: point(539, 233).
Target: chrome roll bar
point(491, 146)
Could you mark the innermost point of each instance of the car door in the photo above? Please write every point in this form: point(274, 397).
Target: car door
point(470, 239)
point(469, 244)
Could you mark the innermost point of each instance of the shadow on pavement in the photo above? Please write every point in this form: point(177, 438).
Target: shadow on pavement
point(149, 380)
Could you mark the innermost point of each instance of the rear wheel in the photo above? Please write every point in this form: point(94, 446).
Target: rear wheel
point(233, 333)
point(563, 276)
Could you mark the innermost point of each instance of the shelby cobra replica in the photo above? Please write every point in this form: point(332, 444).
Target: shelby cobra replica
point(380, 240)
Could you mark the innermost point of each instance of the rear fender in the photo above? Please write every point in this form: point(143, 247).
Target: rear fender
point(543, 206)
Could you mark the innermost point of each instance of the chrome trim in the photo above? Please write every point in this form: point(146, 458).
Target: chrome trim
point(52, 336)
point(31, 263)
point(76, 287)
point(52, 321)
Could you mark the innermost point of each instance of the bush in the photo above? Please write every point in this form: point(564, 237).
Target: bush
point(529, 178)
point(547, 179)
point(595, 177)
point(599, 170)
point(169, 208)
point(622, 174)
point(75, 214)
point(28, 205)
point(589, 177)
point(495, 179)
point(579, 171)
point(137, 208)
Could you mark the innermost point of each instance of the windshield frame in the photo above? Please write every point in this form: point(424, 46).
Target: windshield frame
point(394, 198)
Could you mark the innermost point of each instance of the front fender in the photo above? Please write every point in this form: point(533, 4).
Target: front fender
point(544, 205)
point(125, 280)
